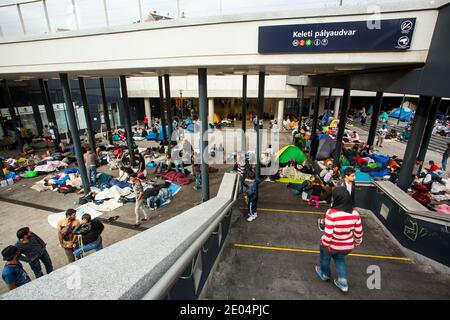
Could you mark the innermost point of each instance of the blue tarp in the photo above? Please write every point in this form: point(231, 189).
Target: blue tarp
point(159, 136)
point(379, 174)
point(404, 113)
point(380, 158)
point(71, 170)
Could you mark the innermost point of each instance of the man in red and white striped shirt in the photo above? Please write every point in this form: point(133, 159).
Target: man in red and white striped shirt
point(343, 231)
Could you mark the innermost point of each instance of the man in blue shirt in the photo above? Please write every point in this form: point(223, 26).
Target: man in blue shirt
point(13, 274)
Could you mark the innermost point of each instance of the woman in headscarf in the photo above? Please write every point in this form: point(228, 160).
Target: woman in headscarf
point(343, 231)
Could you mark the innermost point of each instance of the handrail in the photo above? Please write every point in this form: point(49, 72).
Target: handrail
point(170, 277)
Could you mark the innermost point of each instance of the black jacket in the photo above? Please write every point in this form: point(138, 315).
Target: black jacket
point(352, 194)
point(89, 231)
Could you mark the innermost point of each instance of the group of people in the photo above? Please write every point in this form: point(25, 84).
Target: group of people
point(75, 238)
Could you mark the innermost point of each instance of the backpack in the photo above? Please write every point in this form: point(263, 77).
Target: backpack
point(66, 232)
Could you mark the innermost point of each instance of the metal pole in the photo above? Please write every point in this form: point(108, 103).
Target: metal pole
point(327, 114)
point(169, 107)
point(77, 24)
point(414, 141)
point(203, 113)
point(374, 119)
point(74, 130)
point(300, 107)
point(126, 112)
point(314, 142)
point(106, 112)
point(87, 114)
point(244, 111)
point(341, 128)
point(22, 23)
point(10, 102)
point(259, 124)
point(161, 109)
point(50, 110)
point(140, 11)
point(49, 26)
point(38, 119)
point(432, 115)
point(105, 6)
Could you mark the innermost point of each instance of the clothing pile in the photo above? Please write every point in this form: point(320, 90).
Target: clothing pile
point(432, 190)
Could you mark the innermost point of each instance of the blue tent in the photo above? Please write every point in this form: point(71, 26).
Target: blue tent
point(159, 136)
point(404, 113)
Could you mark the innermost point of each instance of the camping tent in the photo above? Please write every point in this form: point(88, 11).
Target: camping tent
point(404, 113)
point(326, 147)
point(159, 136)
point(285, 154)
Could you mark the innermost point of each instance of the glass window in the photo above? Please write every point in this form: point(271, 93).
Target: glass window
point(91, 13)
point(10, 22)
point(123, 12)
point(61, 15)
point(34, 18)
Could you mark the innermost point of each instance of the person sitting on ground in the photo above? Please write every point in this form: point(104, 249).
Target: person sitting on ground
point(355, 137)
point(90, 231)
point(13, 273)
point(178, 160)
point(433, 167)
point(27, 148)
point(164, 165)
point(315, 192)
point(33, 250)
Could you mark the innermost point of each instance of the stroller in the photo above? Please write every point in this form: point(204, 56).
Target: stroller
point(115, 158)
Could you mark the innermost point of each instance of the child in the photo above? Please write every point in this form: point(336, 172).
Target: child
point(315, 193)
point(252, 194)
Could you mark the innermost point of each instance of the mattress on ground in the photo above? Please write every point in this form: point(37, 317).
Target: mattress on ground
point(289, 180)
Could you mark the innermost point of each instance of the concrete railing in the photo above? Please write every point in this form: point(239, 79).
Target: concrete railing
point(145, 265)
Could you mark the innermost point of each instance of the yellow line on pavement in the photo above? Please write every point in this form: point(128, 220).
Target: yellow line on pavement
point(318, 252)
point(294, 211)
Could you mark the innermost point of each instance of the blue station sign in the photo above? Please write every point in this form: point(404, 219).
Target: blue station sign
point(378, 35)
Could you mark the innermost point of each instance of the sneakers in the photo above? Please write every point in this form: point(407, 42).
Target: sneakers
point(252, 217)
point(342, 285)
point(321, 224)
point(320, 274)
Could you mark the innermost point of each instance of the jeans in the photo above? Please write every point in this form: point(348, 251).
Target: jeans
point(198, 180)
point(339, 261)
point(380, 141)
point(97, 245)
point(444, 163)
point(139, 206)
point(179, 167)
point(36, 264)
point(251, 206)
point(92, 171)
point(160, 166)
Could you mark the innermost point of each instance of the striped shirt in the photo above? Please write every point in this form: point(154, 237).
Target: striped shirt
point(342, 230)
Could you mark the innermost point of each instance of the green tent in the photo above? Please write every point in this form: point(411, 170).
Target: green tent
point(285, 154)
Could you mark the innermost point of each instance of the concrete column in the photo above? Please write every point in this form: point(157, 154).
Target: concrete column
point(259, 126)
point(12, 112)
point(204, 154)
point(210, 110)
point(148, 109)
point(432, 115)
point(337, 102)
point(38, 119)
point(126, 112)
point(314, 138)
point(169, 106)
point(71, 117)
point(161, 109)
point(374, 119)
point(43, 86)
point(341, 128)
point(280, 113)
point(87, 114)
point(106, 112)
point(414, 141)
